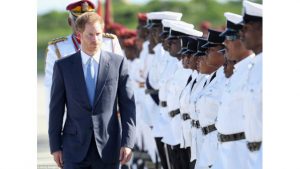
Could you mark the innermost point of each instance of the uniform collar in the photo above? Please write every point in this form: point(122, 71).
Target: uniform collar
point(243, 63)
point(85, 57)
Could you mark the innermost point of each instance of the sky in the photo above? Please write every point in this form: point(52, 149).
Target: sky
point(44, 6)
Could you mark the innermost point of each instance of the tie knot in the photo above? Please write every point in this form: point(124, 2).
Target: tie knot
point(89, 61)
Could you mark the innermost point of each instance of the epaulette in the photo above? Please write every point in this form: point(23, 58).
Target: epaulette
point(109, 35)
point(56, 40)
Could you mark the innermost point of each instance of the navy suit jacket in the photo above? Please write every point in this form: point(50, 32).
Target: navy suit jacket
point(82, 120)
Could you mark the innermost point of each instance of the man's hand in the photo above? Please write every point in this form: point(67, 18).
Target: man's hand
point(58, 158)
point(125, 155)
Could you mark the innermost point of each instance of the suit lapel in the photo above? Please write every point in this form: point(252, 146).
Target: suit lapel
point(102, 75)
point(79, 78)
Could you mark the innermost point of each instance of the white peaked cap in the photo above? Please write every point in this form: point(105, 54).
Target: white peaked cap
point(164, 15)
point(167, 23)
point(253, 9)
point(183, 29)
point(234, 18)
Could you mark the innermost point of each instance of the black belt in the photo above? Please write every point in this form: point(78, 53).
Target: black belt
point(151, 91)
point(208, 129)
point(163, 104)
point(174, 112)
point(196, 123)
point(254, 146)
point(186, 116)
point(231, 137)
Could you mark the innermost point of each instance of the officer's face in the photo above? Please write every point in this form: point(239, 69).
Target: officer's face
point(193, 62)
point(198, 63)
point(233, 48)
point(165, 44)
point(90, 37)
point(154, 33)
point(142, 32)
point(203, 67)
point(214, 57)
point(130, 52)
point(175, 46)
point(251, 35)
point(185, 61)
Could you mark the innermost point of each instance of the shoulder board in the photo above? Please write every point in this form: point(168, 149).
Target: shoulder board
point(54, 41)
point(109, 35)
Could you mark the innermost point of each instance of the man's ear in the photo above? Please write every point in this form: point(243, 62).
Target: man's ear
point(78, 35)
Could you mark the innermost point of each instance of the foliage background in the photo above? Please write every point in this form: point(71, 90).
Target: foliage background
point(54, 24)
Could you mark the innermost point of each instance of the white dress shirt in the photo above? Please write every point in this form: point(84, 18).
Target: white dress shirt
point(95, 63)
point(253, 101)
point(231, 105)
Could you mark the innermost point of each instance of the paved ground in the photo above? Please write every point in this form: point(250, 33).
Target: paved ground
point(44, 158)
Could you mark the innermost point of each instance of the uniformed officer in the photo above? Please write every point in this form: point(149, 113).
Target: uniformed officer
point(196, 89)
point(64, 46)
point(251, 37)
point(232, 150)
point(155, 68)
point(170, 89)
point(186, 141)
point(175, 87)
point(163, 66)
point(141, 30)
point(207, 101)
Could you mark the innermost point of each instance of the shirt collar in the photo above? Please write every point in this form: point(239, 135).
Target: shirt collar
point(85, 57)
point(243, 62)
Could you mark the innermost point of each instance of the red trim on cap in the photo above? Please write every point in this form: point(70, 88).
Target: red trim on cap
point(78, 3)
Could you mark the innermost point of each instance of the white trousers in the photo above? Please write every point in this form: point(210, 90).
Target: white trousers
point(232, 155)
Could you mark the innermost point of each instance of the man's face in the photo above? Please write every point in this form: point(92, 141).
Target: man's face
point(233, 47)
point(198, 63)
point(193, 62)
point(142, 32)
point(165, 44)
point(251, 35)
point(202, 66)
point(185, 61)
point(175, 46)
point(130, 52)
point(154, 33)
point(91, 37)
point(214, 57)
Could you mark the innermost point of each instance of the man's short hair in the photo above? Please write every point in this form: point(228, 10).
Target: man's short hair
point(87, 18)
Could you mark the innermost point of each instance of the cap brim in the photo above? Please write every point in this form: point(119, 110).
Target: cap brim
point(205, 45)
point(209, 45)
point(148, 26)
point(188, 52)
point(199, 53)
point(242, 23)
point(182, 50)
point(171, 37)
point(163, 33)
point(227, 33)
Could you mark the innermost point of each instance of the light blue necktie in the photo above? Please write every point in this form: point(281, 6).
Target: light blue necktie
point(90, 81)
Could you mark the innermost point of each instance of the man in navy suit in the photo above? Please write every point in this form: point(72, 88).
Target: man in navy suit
point(90, 84)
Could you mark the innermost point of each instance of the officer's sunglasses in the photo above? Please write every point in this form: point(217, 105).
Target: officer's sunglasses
point(232, 37)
